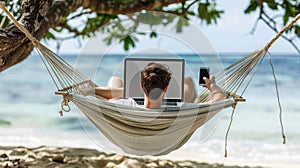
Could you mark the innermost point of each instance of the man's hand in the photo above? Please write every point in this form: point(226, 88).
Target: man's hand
point(216, 92)
point(210, 83)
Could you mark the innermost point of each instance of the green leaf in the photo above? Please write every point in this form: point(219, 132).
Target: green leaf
point(153, 34)
point(141, 33)
point(128, 42)
point(290, 10)
point(208, 12)
point(191, 13)
point(203, 11)
point(252, 7)
point(59, 29)
point(108, 40)
point(121, 27)
point(49, 36)
point(95, 23)
point(272, 4)
point(168, 19)
point(181, 22)
point(149, 18)
point(297, 30)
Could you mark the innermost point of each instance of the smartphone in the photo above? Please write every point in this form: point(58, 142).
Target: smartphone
point(204, 72)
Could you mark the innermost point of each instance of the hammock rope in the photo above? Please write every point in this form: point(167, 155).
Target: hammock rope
point(278, 100)
point(284, 29)
point(128, 133)
point(227, 132)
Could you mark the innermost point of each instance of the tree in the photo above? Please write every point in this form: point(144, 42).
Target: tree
point(45, 19)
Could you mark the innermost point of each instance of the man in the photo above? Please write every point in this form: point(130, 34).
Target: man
point(155, 79)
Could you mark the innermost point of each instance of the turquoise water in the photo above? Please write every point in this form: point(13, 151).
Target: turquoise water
point(29, 109)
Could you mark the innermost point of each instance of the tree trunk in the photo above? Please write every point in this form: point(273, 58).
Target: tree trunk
point(38, 16)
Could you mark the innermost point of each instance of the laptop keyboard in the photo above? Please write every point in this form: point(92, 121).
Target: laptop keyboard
point(165, 103)
point(139, 102)
point(171, 103)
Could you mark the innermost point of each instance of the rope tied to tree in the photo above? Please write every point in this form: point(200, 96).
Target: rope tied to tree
point(34, 41)
point(284, 29)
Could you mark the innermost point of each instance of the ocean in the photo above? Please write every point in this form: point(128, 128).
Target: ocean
point(29, 111)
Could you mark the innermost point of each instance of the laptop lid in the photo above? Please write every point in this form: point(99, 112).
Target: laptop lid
point(132, 78)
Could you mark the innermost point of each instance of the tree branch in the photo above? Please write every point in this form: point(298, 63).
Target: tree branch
point(38, 16)
point(15, 47)
point(271, 23)
point(113, 8)
point(80, 14)
point(191, 4)
point(283, 36)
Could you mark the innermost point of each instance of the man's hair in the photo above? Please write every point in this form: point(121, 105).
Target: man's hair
point(155, 78)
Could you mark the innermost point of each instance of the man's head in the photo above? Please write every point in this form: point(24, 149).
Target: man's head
point(155, 79)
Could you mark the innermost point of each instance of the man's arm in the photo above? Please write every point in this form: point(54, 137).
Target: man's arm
point(113, 89)
point(105, 92)
point(216, 92)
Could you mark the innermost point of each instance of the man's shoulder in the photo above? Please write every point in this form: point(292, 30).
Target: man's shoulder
point(128, 102)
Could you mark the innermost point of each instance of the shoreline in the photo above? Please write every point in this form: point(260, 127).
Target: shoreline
point(63, 157)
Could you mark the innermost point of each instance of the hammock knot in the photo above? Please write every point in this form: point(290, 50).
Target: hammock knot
point(35, 42)
point(65, 107)
point(234, 104)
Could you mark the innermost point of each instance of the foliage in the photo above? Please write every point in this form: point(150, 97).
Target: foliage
point(285, 9)
point(206, 11)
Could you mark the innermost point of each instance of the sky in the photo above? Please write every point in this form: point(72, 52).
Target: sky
point(231, 34)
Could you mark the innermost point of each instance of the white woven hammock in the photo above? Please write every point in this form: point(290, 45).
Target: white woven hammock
point(144, 131)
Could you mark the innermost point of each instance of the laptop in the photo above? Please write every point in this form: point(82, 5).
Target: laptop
point(132, 79)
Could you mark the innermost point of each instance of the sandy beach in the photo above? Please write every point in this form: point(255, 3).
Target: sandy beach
point(56, 157)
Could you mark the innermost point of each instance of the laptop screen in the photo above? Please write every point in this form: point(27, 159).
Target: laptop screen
point(132, 78)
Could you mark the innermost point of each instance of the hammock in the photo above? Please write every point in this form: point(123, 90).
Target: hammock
point(142, 131)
